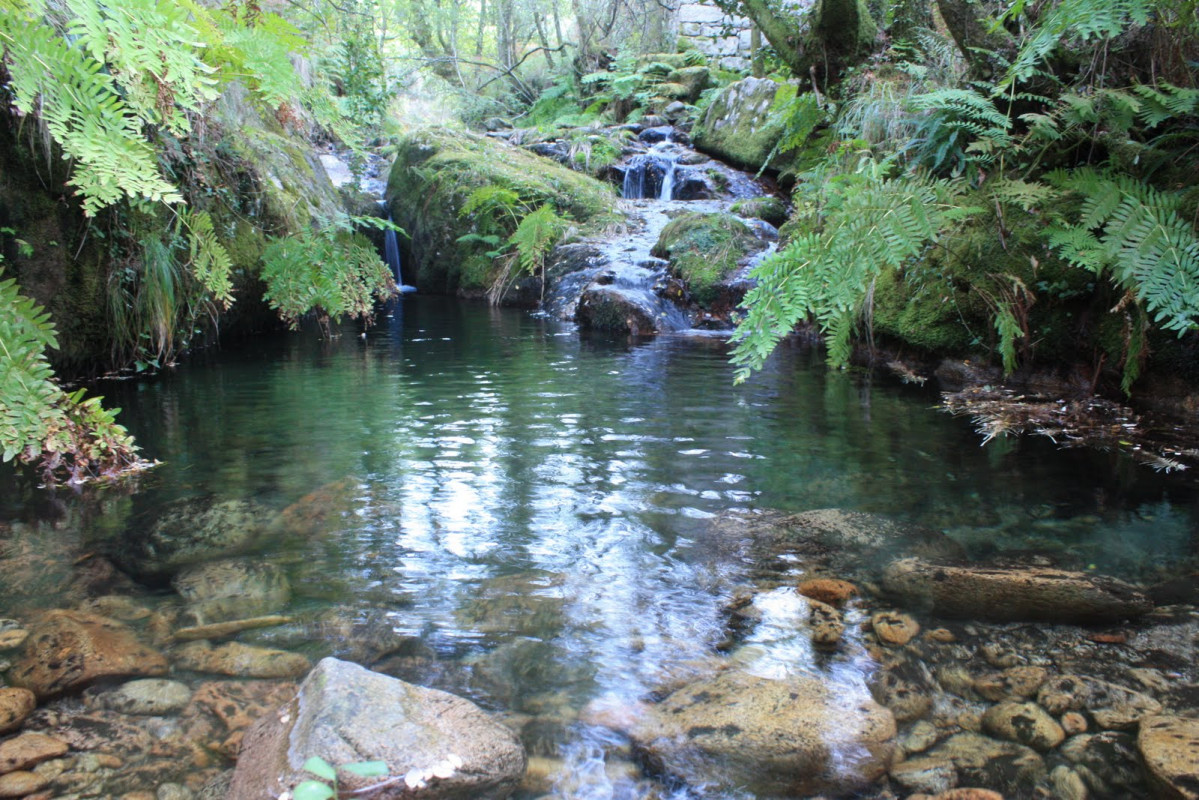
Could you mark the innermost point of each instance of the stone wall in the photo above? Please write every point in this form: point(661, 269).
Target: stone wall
point(722, 38)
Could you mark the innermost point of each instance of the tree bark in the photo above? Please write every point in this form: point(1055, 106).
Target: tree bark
point(985, 50)
point(833, 35)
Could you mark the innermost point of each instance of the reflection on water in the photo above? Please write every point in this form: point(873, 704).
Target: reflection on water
point(529, 502)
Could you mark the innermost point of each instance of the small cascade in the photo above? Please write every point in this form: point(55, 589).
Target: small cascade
point(651, 175)
point(391, 256)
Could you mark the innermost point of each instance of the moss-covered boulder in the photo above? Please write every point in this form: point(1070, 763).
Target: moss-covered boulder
point(686, 84)
point(738, 126)
point(767, 208)
point(705, 250)
point(434, 174)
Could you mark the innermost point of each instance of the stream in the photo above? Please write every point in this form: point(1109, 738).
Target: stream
point(541, 520)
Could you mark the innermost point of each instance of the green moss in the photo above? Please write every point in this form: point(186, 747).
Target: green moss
point(740, 126)
point(436, 170)
point(704, 250)
point(767, 209)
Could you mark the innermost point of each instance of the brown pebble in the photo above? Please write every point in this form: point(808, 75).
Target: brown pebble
point(894, 628)
point(15, 706)
point(969, 794)
point(1116, 637)
point(941, 636)
point(1074, 723)
point(21, 783)
point(833, 591)
point(139, 796)
point(28, 750)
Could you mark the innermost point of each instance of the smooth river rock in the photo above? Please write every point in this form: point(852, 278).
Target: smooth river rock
point(67, 650)
point(28, 750)
point(15, 706)
point(149, 696)
point(1014, 593)
point(241, 660)
point(1024, 723)
point(982, 761)
point(191, 532)
point(1170, 747)
point(345, 713)
point(775, 738)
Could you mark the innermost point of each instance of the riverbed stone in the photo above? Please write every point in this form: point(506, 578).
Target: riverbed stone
point(21, 783)
point(1111, 706)
point(902, 690)
point(609, 308)
point(190, 532)
point(737, 125)
point(1012, 768)
point(893, 628)
point(234, 706)
point(230, 589)
point(1170, 748)
point(68, 650)
point(1014, 593)
point(1014, 682)
point(789, 737)
point(15, 707)
point(1108, 761)
point(28, 750)
point(919, 737)
point(149, 697)
point(929, 775)
point(346, 713)
point(826, 624)
point(1025, 723)
point(833, 591)
point(241, 660)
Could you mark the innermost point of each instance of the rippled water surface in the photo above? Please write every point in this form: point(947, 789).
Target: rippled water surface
point(530, 503)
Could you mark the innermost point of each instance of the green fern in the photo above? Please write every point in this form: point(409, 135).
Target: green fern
point(868, 223)
point(536, 235)
point(65, 434)
point(1136, 233)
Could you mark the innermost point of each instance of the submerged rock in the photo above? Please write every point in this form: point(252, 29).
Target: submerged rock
point(149, 696)
point(447, 746)
point(1170, 747)
point(1110, 705)
point(1107, 762)
point(607, 308)
point(28, 750)
point(67, 650)
point(1012, 768)
point(231, 589)
point(1014, 593)
point(15, 707)
point(1025, 723)
point(775, 738)
point(190, 532)
point(241, 660)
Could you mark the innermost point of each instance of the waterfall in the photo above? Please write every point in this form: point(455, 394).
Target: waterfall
point(391, 256)
point(668, 181)
point(650, 176)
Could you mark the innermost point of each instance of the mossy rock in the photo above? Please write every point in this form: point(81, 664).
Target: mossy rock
point(768, 209)
point(705, 250)
point(673, 60)
point(436, 170)
point(690, 83)
point(738, 126)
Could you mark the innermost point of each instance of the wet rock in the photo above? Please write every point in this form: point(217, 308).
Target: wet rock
point(100, 731)
point(149, 697)
point(940, 636)
point(221, 630)
point(921, 736)
point(345, 713)
point(1073, 723)
point(826, 625)
point(1015, 682)
point(528, 603)
point(361, 635)
point(173, 791)
point(893, 628)
point(609, 308)
point(241, 660)
point(19, 784)
point(737, 125)
point(1066, 783)
point(28, 750)
point(969, 794)
point(1011, 768)
point(189, 532)
point(68, 650)
point(848, 542)
point(1170, 748)
point(12, 634)
point(1014, 593)
point(220, 591)
point(235, 705)
point(789, 737)
point(1110, 705)
point(930, 775)
point(1025, 723)
point(15, 706)
point(901, 690)
point(833, 591)
point(321, 511)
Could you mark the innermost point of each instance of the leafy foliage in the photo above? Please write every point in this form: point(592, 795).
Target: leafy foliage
point(330, 273)
point(864, 222)
point(39, 422)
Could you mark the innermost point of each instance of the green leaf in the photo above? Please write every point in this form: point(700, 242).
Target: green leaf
point(312, 790)
point(321, 768)
point(368, 769)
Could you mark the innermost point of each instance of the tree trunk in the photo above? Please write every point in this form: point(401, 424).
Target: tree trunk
point(832, 35)
point(907, 17)
point(986, 51)
point(755, 51)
